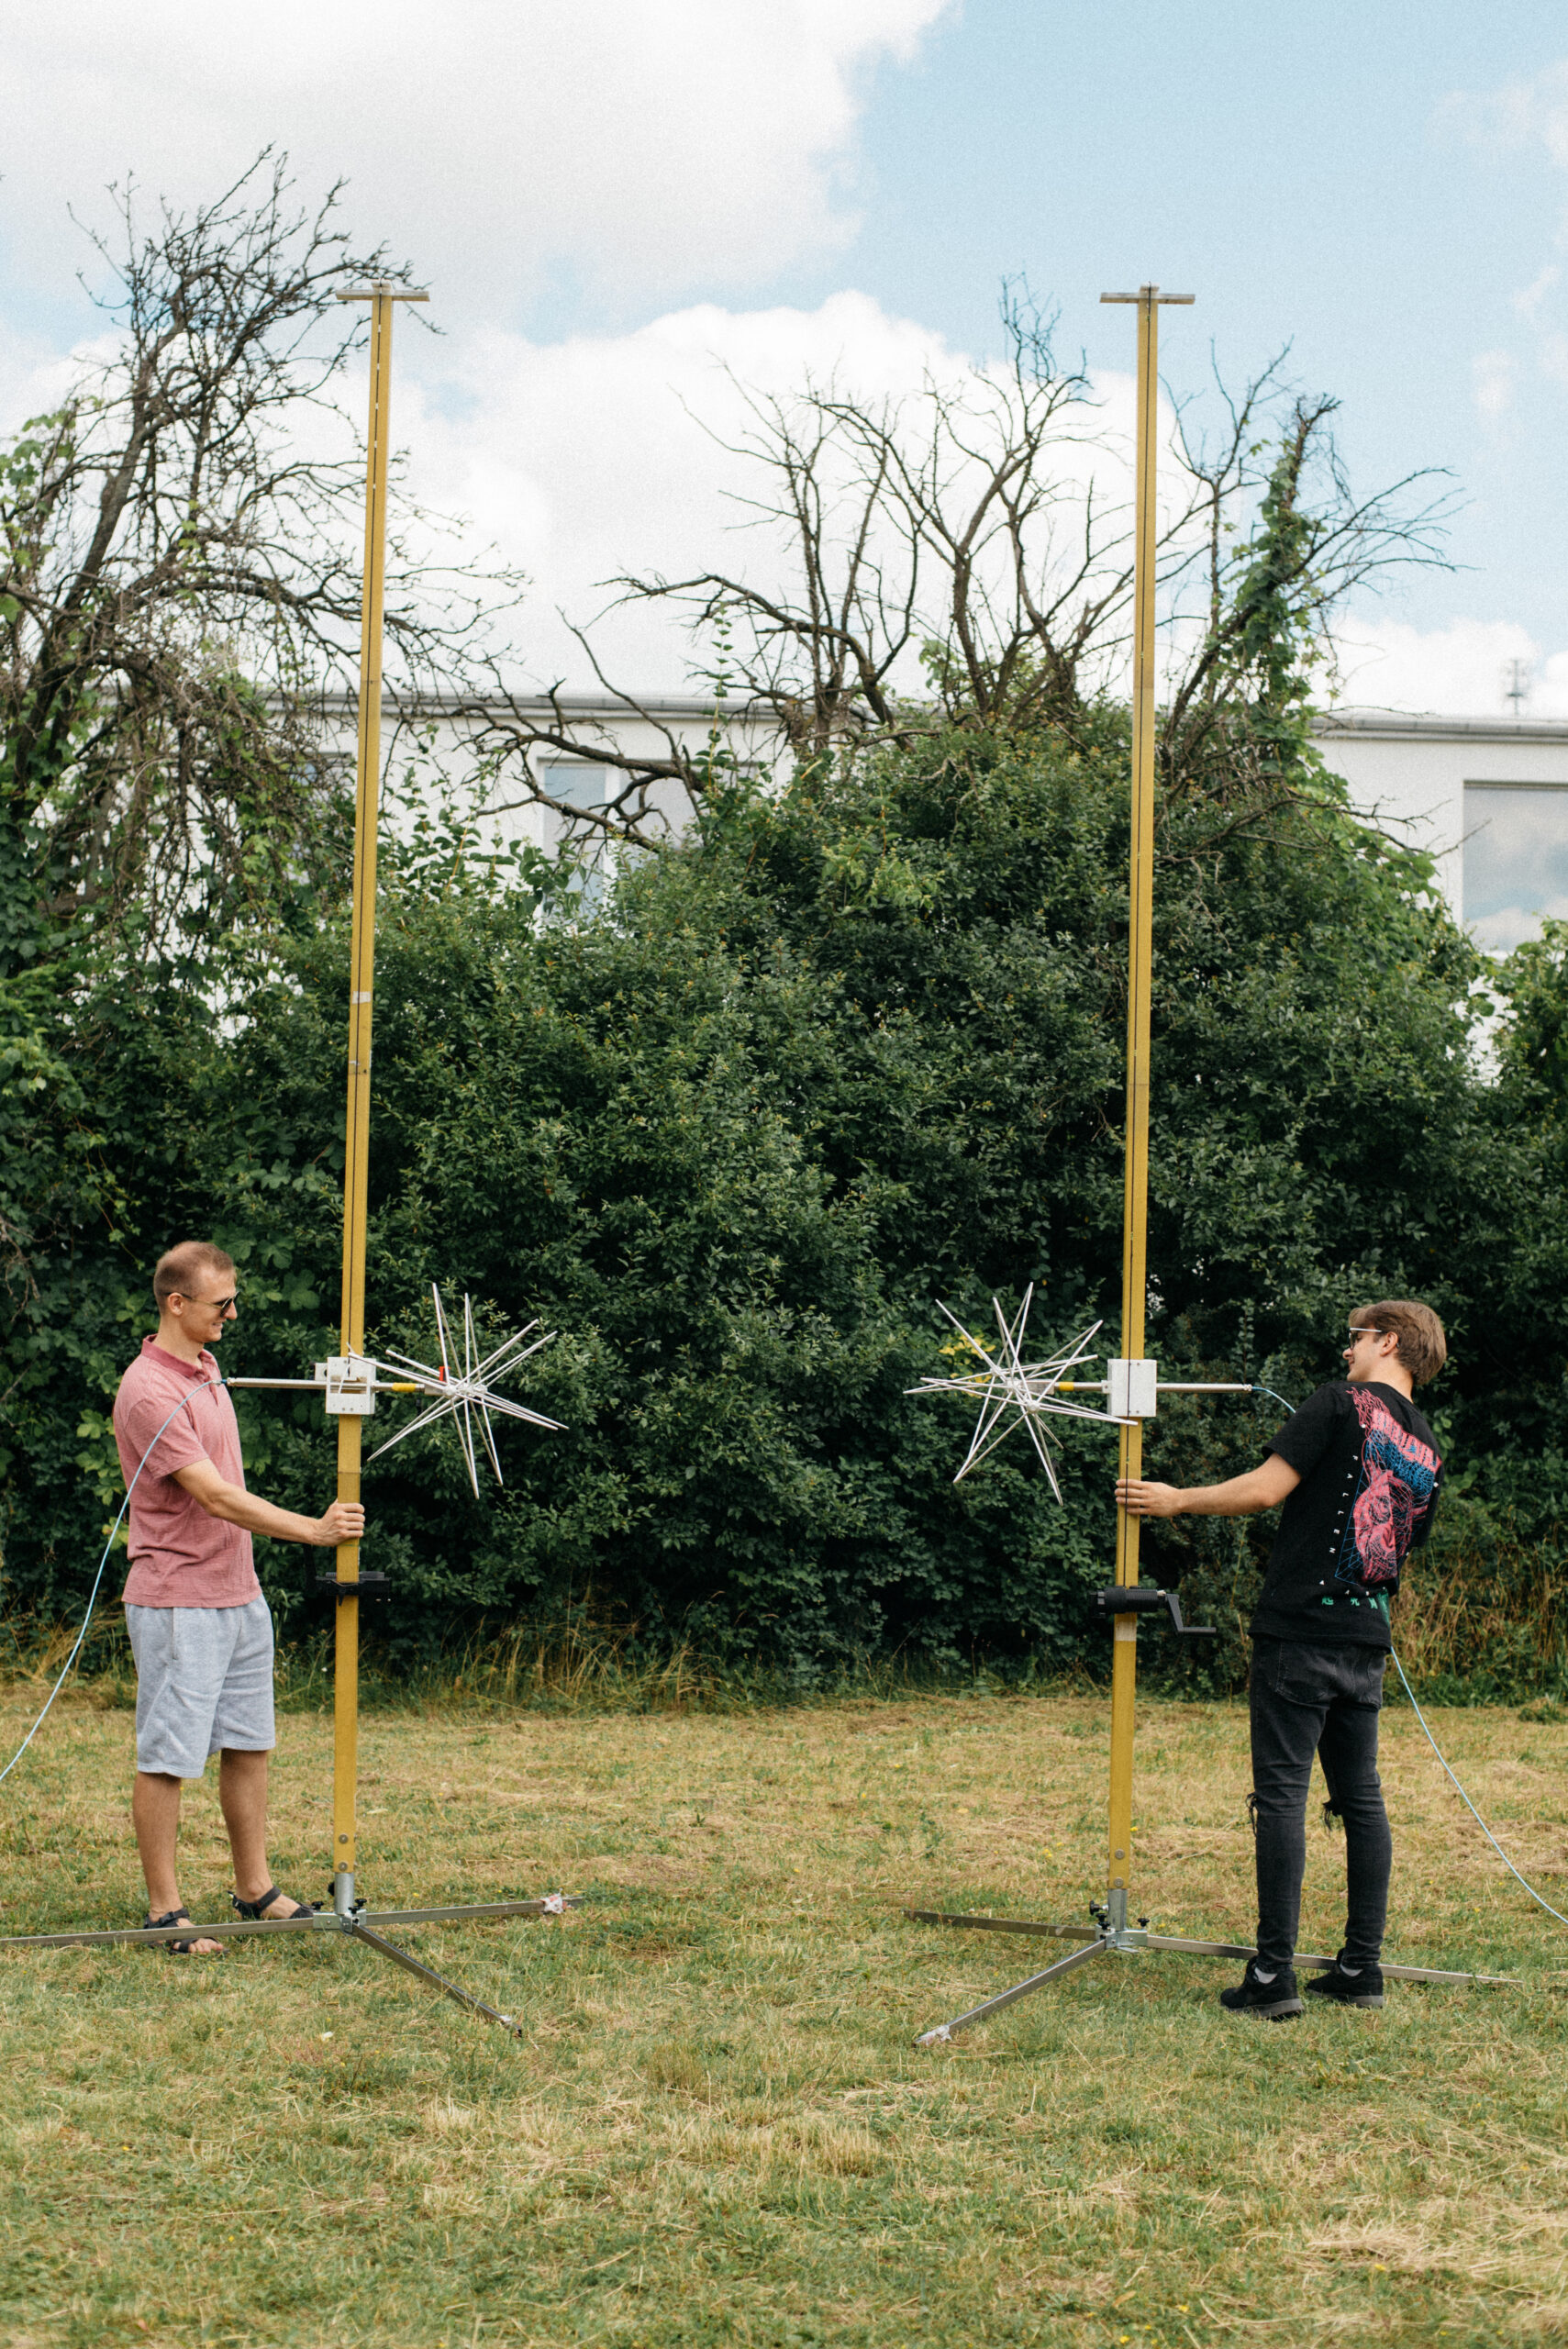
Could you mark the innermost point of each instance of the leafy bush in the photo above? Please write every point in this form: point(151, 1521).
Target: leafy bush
point(850, 1051)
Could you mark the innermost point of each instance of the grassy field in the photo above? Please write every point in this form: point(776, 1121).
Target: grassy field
point(716, 2128)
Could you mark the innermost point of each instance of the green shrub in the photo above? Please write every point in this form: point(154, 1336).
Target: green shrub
point(848, 1052)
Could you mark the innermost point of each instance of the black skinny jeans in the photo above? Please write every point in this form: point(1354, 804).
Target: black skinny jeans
point(1321, 1700)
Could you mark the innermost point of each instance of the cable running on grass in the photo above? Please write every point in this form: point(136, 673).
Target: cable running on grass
point(1464, 1798)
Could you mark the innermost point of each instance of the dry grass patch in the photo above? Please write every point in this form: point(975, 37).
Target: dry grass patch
point(716, 2128)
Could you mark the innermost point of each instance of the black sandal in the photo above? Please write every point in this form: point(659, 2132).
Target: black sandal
point(181, 1949)
point(255, 1909)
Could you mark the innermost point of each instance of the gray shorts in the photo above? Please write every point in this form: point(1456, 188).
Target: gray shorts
point(204, 1681)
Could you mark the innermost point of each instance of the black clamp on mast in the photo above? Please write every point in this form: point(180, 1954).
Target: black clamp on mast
point(368, 1585)
point(1148, 1598)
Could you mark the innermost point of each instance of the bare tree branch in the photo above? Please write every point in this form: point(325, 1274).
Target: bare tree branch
point(963, 556)
point(178, 577)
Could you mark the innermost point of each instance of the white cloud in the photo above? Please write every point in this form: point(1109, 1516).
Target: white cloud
point(639, 147)
point(601, 455)
point(35, 376)
point(635, 149)
point(596, 455)
point(1528, 298)
point(583, 460)
point(1531, 110)
point(1500, 932)
point(1493, 372)
point(1522, 116)
point(1461, 671)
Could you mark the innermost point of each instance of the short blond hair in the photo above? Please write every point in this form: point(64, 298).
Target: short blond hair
point(187, 1262)
point(1423, 1347)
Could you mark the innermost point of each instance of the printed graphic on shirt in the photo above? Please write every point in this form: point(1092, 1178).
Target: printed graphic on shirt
point(1393, 1492)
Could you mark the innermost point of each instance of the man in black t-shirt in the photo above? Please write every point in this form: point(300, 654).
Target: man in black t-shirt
point(1357, 1468)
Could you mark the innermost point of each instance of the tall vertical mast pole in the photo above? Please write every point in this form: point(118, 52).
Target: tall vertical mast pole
point(362, 980)
point(1139, 962)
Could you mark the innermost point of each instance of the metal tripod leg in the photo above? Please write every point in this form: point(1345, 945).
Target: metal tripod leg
point(1131, 1939)
point(1315, 1957)
point(944, 2031)
point(428, 1974)
point(1002, 1924)
point(355, 1925)
point(323, 1921)
point(1117, 1936)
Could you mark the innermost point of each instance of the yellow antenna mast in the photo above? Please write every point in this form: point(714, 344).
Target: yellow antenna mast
point(1133, 1386)
point(1140, 980)
point(459, 1389)
point(382, 295)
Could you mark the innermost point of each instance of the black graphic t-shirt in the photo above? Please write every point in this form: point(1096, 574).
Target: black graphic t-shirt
point(1370, 1475)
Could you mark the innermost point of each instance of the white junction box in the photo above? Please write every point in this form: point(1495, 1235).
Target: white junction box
point(1132, 1390)
point(349, 1381)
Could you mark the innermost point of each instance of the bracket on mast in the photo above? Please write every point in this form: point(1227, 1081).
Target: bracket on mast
point(351, 1384)
point(1132, 1389)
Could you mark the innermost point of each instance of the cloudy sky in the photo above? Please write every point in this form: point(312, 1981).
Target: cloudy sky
point(614, 200)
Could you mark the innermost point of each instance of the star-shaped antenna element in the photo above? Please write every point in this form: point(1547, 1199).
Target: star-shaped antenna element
point(467, 1394)
point(1030, 1391)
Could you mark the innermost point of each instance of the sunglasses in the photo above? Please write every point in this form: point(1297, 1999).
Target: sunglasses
point(1356, 1335)
point(210, 1304)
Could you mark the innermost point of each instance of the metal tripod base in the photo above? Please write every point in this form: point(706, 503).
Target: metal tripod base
point(358, 1923)
point(1111, 1936)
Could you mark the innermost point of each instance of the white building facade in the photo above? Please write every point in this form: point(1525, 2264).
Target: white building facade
point(1486, 798)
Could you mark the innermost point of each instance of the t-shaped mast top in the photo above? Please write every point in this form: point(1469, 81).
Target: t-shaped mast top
point(382, 288)
point(1149, 293)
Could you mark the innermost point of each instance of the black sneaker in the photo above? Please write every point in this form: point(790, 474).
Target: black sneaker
point(1273, 1999)
point(1361, 1988)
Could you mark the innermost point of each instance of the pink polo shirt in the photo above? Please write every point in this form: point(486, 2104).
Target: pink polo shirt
point(178, 1556)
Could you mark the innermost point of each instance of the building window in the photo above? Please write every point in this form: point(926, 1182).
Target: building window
point(1516, 861)
point(578, 785)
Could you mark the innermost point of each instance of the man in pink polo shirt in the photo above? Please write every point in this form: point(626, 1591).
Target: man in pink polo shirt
point(200, 1630)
